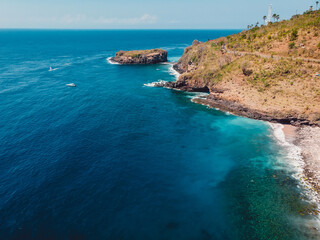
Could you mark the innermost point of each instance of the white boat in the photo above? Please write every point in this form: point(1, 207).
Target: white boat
point(71, 85)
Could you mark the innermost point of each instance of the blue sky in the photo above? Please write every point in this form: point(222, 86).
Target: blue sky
point(142, 14)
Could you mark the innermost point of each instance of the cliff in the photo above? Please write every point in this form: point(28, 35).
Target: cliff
point(269, 72)
point(141, 57)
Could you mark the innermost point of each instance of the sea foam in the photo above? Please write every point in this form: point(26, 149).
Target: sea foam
point(155, 84)
point(294, 158)
point(111, 62)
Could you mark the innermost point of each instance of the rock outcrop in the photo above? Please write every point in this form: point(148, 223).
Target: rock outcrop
point(141, 57)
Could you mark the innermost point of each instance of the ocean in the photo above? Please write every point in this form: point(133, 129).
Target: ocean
point(115, 158)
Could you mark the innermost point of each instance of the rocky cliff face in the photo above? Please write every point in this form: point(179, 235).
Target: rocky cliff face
point(141, 57)
point(253, 85)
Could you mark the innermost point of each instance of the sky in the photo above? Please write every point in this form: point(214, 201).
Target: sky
point(143, 14)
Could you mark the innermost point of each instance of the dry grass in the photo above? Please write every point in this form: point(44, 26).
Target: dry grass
point(266, 84)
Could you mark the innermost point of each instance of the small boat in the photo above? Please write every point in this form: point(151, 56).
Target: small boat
point(70, 85)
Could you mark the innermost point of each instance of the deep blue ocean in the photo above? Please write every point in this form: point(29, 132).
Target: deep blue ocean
point(115, 159)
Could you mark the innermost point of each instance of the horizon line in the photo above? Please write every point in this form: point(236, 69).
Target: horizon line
point(121, 29)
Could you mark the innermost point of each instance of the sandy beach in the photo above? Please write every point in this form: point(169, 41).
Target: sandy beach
point(306, 141)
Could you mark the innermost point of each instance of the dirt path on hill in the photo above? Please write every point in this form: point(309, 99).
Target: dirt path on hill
point(268, 56)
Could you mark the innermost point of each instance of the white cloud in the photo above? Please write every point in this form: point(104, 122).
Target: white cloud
point(69, 19)
point(144, 19)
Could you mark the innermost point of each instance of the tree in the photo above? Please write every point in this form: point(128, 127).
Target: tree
point(264, 18)
point(317, 3)
point(274, 16)
point(277, 17)
point(257, 24)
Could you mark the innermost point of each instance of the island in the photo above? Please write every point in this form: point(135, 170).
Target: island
point(152, 56)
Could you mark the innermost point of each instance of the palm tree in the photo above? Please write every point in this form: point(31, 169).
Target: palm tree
point(274, 16)
point(317, 3)
point(257, 24)
point(277, 17)
point(264, 18)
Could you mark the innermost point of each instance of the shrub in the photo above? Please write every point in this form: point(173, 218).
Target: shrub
point(318, 45)
point(292, 45)
point(294, 35)
point(245, 69)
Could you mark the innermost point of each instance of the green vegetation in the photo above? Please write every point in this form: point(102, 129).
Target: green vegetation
point(292, 45)
point(294, 35)
point(264, 67)
point(275, 38)
point(137, 53)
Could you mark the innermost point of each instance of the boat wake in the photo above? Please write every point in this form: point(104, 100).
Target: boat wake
point(52, 69)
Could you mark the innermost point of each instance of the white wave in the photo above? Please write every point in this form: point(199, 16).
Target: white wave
point(294, 152)
point(111, 62)
point(198, 95)
point(154, 84)
point(296, 163)
point(173, 72)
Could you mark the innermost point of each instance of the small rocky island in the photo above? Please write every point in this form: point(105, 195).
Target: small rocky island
point(141, 57)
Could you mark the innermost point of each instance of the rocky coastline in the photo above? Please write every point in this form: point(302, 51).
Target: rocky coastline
point(237, 92)
point(153, 56)
point(234, 107)
point(215, 100)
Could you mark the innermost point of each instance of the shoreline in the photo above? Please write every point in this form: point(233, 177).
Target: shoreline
point(240, 110)
point(302, 146)
point(300, 139)
point(308, 139)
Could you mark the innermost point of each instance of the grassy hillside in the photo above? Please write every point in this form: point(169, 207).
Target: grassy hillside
point(298, 36)
point(261, 70)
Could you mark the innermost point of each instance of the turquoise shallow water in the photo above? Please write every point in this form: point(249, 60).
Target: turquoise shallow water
point(115, 159)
